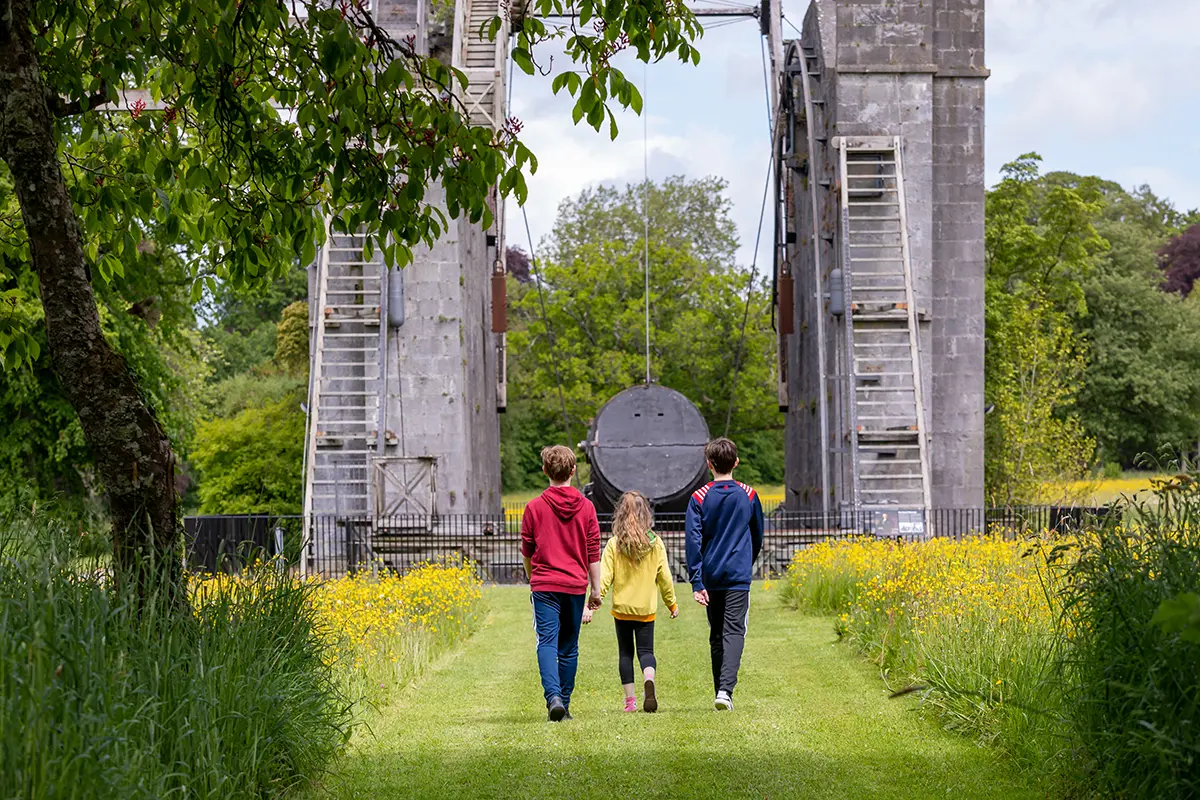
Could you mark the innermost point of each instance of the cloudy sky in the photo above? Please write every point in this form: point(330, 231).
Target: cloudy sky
point(1104, 87)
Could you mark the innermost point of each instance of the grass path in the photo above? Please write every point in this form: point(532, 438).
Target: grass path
point(812, 720)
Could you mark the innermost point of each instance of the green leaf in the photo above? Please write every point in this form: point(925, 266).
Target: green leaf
point(523, 60)
point(635, 99)
point(1180, 615)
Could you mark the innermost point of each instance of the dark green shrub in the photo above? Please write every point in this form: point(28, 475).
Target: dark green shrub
point(1133, 662)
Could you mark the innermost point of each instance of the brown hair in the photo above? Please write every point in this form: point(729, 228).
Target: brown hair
point(631, 522)
point(558, 462)
point(722, 454)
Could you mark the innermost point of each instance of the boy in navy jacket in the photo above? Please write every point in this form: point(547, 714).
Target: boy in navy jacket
point(724, 537)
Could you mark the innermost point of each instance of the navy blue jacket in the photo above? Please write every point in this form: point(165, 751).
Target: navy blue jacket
point(724, 535)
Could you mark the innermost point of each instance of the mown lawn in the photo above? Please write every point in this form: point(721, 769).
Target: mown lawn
point(813, 720)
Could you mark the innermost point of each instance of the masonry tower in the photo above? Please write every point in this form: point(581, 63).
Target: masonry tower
point(407, 371)
point(881, 268)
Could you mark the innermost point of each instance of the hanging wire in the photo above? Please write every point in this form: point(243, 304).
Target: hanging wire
point(646, 205)
point(793, 27)
point(537, 274)
point(762, 213)
point(737, 353)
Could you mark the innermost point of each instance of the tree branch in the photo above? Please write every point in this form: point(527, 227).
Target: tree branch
point(61, 107)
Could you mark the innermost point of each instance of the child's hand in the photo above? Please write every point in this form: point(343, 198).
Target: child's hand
point(587, 616)
point(674, 612)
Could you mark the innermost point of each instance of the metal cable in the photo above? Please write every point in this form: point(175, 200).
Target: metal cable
point(646, 205)
point(762, 212)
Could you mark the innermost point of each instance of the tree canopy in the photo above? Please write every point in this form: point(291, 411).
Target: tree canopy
point(593, 336)
point(1087, 357)
point(258, 122)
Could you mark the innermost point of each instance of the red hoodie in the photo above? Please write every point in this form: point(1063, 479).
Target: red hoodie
point(560, 535)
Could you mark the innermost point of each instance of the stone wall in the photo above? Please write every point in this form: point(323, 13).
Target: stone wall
point(911, 68)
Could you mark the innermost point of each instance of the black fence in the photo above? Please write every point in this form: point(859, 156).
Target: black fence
point(336, 545)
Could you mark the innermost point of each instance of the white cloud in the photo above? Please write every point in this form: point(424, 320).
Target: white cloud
point(1102, 87)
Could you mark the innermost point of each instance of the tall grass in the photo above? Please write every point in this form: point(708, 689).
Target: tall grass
point(1132, 671)
point(103, 694)
point(968, 622)
point(1079, 655)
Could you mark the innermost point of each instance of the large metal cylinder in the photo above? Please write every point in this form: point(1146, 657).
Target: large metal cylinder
point(649, 439)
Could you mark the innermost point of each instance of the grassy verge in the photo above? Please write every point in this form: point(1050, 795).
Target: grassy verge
point(102, 695)
point(1079, 655)
point(251, 691)
point(971, 622)
point(812, 721)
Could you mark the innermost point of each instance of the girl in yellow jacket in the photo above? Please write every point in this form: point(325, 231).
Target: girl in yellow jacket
point(633, 566)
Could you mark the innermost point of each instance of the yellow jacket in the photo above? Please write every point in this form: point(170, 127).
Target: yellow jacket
point(633, 582)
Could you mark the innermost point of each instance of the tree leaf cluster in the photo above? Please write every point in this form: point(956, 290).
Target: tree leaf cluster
point(593, 334)
point(1088, 359)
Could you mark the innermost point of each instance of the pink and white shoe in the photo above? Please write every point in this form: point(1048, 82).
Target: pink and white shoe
point(631, 704)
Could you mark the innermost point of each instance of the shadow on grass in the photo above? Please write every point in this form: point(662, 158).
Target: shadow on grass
point(687, 768)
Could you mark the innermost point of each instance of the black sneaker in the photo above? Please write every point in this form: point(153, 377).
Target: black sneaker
point(649, 700)
point(568, 715)
point(557, 709)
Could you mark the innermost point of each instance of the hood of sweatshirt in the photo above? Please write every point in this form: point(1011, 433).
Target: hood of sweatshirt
point(565, 500)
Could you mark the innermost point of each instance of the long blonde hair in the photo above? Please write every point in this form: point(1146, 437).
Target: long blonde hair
point(631, 524)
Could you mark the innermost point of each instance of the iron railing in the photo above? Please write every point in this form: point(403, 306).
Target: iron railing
point(337, 545)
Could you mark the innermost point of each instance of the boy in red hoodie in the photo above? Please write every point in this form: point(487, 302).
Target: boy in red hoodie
point(560, 541)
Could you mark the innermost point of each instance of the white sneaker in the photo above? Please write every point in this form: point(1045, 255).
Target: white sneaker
point(723, 702)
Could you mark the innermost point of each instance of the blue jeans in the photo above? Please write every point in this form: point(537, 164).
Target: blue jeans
point(557, 618)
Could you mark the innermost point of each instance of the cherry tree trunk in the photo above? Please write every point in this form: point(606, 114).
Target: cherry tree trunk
point(132, 453)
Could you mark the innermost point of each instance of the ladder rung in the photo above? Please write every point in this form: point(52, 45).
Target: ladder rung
point(861, 203)
point(893, 477)
point(893, 491)
point(324, 393)
point(883, 388)
point(349, 350)
point(875, 219)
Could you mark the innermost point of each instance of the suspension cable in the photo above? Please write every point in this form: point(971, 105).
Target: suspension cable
point(762, 212)
point(646, 205)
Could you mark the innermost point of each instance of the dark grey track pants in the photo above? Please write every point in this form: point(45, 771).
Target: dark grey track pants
point(728, 616)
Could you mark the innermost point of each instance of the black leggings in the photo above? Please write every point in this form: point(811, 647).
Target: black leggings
point(627, 632)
